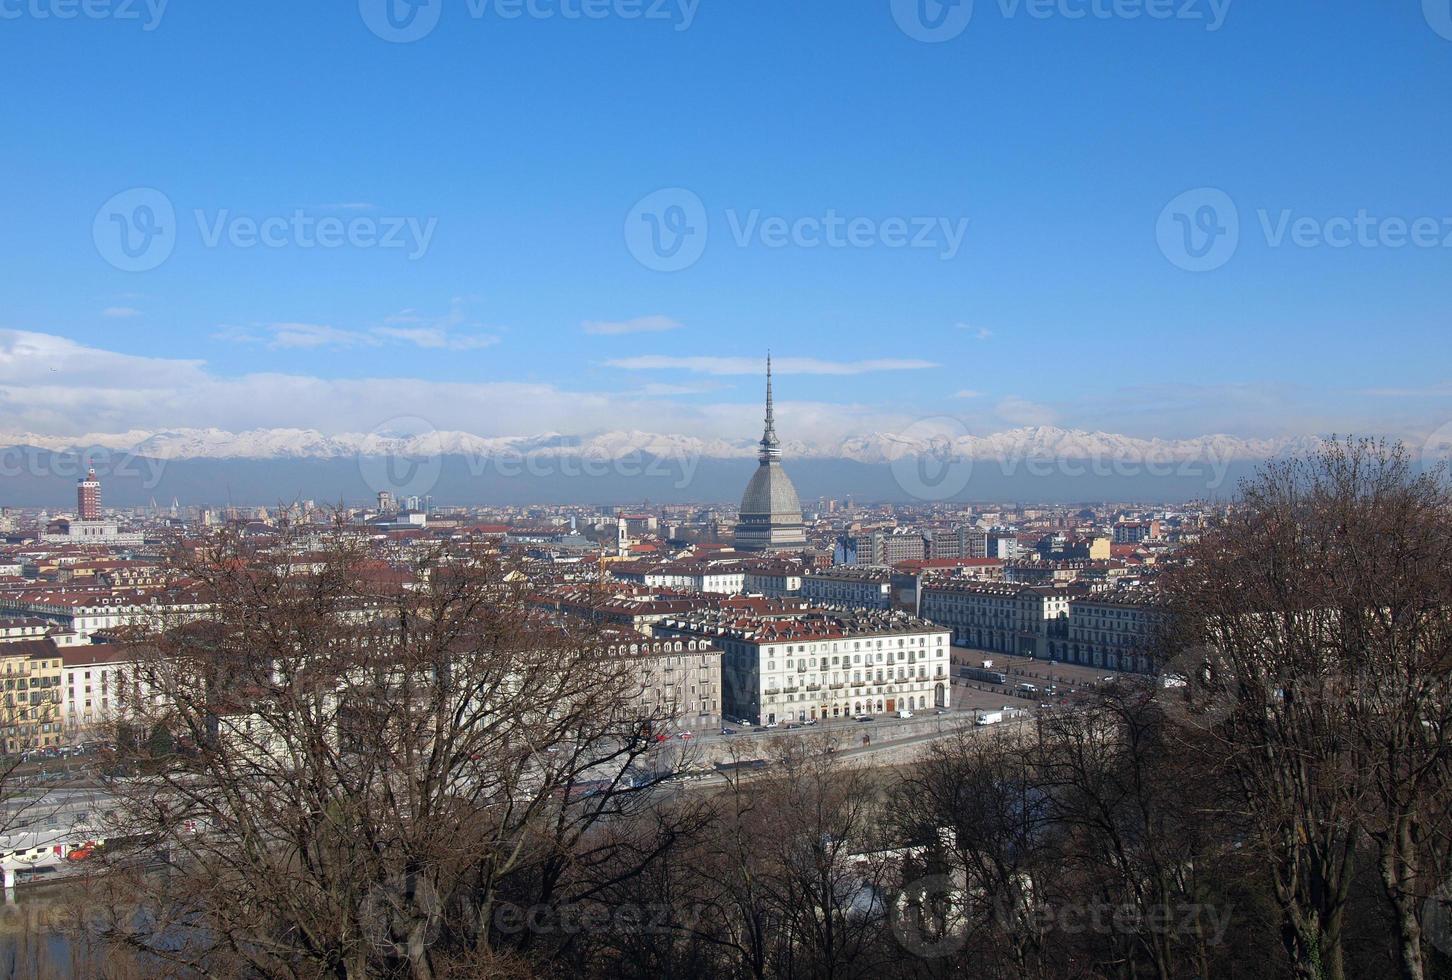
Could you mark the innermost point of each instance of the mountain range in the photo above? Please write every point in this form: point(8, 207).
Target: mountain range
point(940, 438)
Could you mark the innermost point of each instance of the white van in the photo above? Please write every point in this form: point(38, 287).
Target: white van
point(904, 713)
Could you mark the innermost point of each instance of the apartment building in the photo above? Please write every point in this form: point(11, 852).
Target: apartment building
point(1003, 617)
point(854, 586)
point(1113, 629)
point(30, 705)
point(822, 665)
point(677, 678)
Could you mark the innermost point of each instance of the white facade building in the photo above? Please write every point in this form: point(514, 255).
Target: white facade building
point(823, 665)
point(855, 586)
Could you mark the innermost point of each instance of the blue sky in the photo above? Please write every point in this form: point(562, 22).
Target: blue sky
point(525, 145)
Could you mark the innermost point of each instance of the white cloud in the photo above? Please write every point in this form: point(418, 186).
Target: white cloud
point(642, 324)
point(1020, 411)
point(1443, 390)
point(452, 331)
point(752, 365)
point(668, 390)
point(120, 312)
point(308, 336)
point(967, 393)
point(979, 333)
point(436, 338)
point(55, 387)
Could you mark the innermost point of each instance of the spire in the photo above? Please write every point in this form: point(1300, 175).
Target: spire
point(770, 446)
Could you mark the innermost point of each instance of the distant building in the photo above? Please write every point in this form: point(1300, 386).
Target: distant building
point(94, 685)
point(854, 586)
point(1117, 630)
point(674, 678)
point(774, 578)
point(1133, 532)
point(822, 665)
point(884, 547)
point(88, 498)
point(771, 513)
point(30, 705)
point(90, 525)
point(1002, 617)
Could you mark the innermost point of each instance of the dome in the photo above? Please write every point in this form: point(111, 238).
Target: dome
point(771, 494)
point(771, 513)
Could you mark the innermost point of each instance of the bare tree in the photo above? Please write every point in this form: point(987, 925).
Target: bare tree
point(1143, 828)
point(1315, 620)
point(346, 769)
point(974, 811)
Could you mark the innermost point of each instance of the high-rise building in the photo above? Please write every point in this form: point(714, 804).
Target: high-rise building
point(771, 514)
point(88, 498)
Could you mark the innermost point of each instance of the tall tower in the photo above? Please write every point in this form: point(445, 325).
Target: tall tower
point(771, 513)
point(88, 497)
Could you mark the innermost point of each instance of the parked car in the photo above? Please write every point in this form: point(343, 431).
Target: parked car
point(864, 718)
point(728, 731)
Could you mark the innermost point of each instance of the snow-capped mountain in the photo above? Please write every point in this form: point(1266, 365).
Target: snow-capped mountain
point(941, 440)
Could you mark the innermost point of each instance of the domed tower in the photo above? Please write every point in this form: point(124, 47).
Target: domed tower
point(771, 514)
